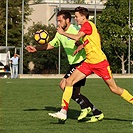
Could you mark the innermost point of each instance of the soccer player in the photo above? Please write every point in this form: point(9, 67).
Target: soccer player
point(64, 20)
point(95, 62)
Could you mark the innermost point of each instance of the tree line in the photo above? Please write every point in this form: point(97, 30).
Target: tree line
point(112, 23)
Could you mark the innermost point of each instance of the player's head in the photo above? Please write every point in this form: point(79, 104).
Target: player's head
point(63, 19)
point(81, 14)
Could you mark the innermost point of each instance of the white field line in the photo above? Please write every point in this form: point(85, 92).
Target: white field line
point(61, 76)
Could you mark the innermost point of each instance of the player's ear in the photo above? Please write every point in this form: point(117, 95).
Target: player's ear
point(67, 20)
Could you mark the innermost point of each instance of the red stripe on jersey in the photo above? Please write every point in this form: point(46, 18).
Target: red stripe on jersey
point(86, 42)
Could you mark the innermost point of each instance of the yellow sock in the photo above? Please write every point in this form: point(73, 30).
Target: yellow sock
point(127, 96)
point(67, 94)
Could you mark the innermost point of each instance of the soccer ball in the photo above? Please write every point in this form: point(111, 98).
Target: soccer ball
point(41, 37)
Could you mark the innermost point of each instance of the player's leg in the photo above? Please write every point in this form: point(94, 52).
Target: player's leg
point(63, 84)
point(84, 102)
point(103, 70)
point(86, 106)
point(80, 99)
point(119, 91)
point(75, 77)
point(77, 96)
point(67, 94)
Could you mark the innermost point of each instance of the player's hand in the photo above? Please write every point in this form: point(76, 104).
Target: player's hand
point(30, 49)
point(60, 30)
point(77, 43)
point(78, 49)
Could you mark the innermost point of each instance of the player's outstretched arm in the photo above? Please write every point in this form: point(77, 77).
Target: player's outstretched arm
point(30, 49)
point(39, 48)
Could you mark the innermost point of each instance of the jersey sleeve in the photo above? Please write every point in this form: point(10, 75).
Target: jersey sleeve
point(86, 28)
point(56, 41)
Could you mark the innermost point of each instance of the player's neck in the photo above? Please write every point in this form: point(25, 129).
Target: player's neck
point(86, 20)
point(68, 25)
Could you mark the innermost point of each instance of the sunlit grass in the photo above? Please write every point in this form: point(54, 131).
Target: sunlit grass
point(25, 104)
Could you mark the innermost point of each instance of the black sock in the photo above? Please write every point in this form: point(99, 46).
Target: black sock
point(84, 102)
point(88, 103)
point(96, 112)
point(81, 100)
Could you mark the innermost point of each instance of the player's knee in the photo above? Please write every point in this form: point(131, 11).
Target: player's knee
point(61, 86)
point(68, 82)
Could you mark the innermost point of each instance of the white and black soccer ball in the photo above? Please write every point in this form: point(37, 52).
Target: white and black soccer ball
point(41, 36)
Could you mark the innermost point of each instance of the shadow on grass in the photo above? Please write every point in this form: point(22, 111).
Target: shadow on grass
point(33, 109)
point(117, 119)
point(72, 113)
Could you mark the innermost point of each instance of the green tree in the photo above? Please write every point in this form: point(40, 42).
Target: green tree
point(44, 61)
point(113, 25)
point(2, 25)
point(14, 21)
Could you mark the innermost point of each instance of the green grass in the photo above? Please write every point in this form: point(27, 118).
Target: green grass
point(25, 104)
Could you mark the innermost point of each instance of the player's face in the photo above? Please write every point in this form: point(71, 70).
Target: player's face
point(62, 22)
point(79, 18)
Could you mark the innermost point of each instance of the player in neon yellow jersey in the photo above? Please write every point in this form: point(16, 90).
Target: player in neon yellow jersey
point(64, 19)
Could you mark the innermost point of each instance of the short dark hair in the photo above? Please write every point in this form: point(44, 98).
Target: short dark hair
point(66, 14)
point(82, 11)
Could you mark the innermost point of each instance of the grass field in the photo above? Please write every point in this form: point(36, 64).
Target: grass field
point(25, 104)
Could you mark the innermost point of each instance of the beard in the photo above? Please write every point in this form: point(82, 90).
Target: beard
point(64, 27)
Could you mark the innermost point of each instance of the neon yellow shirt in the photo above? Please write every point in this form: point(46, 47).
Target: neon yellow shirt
point(69, 45)
point(94, 53)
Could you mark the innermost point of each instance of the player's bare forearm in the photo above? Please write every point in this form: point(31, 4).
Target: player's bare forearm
point(46, 46)
point(78, 49)
point(33, 49)
point(30, 49)
point(42, 47)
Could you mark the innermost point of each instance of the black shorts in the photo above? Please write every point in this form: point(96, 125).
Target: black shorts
point(71, 70)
